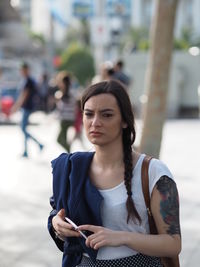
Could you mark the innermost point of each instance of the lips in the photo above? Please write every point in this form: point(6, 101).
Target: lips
point(95, 133)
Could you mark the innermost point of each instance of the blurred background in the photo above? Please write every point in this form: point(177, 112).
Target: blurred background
point(87, 38)
point(53, 34)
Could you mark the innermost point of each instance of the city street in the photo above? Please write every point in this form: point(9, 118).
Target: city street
point(25, 188)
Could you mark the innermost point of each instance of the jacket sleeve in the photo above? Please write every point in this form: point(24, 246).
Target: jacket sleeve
point(59, 242)
point(58, 165)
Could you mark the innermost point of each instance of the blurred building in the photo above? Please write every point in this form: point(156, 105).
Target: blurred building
point(15, 40)
point(109, 20)
point(187, 15)
point(136, 13)
point(24, 7)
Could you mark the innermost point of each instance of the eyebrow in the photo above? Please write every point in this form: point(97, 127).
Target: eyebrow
point(103, 110)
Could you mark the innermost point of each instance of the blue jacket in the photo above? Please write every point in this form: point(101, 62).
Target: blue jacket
point(73, 191)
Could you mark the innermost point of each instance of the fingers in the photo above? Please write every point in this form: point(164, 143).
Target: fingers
point(67, 230)
point(63, 228)
point(96, 241)
point(88, 227)
point(102, 236)
point(61, 213)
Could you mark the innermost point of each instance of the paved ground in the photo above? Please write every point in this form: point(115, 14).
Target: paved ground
point(25, 186)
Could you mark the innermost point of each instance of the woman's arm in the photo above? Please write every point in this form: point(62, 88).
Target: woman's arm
point(165, 209)
point(20, 101)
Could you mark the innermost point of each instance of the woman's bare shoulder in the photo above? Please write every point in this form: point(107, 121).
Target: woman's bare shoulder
point(135, 155)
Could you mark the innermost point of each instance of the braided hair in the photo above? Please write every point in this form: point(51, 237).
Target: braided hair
point(118, 90)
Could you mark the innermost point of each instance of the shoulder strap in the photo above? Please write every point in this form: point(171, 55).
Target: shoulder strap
point(145, 189)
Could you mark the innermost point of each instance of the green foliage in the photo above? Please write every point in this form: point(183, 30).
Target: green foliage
point(180, 44)
point(137, 38)
point(186, 39)
point(139, 35)
point(79, 34)
point(37, 37)
point(78, 60)
point(186, 34)
point(144, 45)
point(184, 42)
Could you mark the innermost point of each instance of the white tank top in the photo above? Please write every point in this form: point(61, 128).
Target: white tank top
point(113, 209)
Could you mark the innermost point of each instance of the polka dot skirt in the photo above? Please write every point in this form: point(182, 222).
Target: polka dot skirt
point(138, 260)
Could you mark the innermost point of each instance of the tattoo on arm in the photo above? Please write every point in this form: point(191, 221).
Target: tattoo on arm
point(169, 204)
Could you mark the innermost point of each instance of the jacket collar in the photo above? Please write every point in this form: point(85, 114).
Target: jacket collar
point(80, 185)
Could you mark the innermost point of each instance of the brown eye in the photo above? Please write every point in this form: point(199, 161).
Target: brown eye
point(88, 114)
point(107, 115)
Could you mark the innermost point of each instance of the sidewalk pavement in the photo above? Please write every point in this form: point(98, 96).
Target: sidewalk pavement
point(25, 187)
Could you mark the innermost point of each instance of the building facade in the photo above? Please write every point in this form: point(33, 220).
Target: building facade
point(136, 13)
point(187, 15)
point(24, 8)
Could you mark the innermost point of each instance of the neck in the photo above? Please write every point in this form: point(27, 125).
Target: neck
point(109, 156)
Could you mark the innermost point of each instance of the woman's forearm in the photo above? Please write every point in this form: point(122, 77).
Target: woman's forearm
point(163, 245)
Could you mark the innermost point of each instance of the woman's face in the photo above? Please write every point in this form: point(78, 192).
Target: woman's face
point(102, 120)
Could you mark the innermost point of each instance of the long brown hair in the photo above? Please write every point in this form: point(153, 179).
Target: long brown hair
point(128, 137)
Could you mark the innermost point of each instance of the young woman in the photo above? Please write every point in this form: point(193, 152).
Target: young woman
point(65, 106)
point(101, 192)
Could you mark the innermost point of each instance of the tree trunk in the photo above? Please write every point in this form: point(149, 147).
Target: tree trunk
point(157, 76)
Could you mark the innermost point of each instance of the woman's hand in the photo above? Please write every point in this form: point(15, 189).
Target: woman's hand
point(102, 236)
point(62, 228)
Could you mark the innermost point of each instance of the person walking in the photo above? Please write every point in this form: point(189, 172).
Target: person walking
point(26, 101)
point(120, 75)
point(106, 72)
point(65, 106)
point(101, 192)
point(43, 91)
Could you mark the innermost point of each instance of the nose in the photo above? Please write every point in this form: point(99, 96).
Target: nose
point(96, 121)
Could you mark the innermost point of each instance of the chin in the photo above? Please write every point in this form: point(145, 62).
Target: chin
point(97, 142)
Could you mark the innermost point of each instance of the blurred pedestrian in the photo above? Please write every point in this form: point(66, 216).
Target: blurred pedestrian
point(65, 106)
point(43, 90)
point(26, 101)
point(53, 88)
point(101, 192)
point(78, 119)
point(119, 73)
point(106, 72)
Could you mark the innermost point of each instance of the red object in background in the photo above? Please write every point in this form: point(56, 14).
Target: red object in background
point(57, 61)
point(6, 105)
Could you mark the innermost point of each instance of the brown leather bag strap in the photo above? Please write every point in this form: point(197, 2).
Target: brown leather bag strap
point(145, 180)
point(145, 189)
